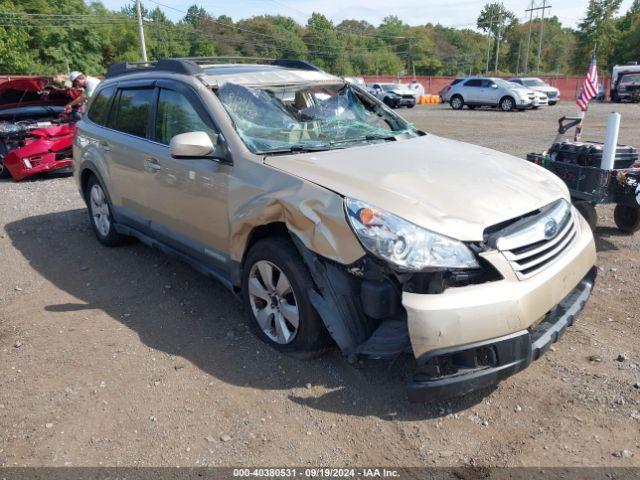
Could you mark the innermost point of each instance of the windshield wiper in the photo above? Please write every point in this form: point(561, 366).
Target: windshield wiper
point(296, 149)
point(366, 138)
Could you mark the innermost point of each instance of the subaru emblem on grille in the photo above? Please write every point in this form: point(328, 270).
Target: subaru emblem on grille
point(550, 229)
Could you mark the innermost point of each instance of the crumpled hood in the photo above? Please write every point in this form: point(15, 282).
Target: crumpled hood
point(450, 187)
point(27, 91)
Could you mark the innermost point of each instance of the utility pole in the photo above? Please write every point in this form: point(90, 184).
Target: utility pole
point(489, 46)
point(518, 63)
point(143, 48)
point(544, 7)
point(526, 55)
point(498, 37)
point(413, 65)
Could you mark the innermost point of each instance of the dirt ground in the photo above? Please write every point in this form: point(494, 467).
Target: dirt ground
point(125, 357)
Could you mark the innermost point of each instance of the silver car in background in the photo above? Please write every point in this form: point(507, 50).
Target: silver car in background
point(538, 85)
point(490, 92)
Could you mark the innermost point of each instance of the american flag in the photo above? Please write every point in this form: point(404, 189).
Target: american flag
point(590, 86)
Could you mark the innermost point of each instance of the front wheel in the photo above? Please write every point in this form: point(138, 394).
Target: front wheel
point(275, 288)
point(4, 171)
point(507, 104)
point(627, 218)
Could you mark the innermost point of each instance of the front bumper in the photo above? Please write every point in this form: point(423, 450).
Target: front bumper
point(46, 163)
point(456, 371)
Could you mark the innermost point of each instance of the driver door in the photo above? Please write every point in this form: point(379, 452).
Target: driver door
point(190, 196)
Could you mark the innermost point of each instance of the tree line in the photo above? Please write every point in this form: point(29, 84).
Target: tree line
point(53, 36)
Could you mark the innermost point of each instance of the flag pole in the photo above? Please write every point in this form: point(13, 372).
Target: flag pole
point(583, 113)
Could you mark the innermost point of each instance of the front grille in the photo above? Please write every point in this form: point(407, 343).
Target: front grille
point(552, 94)
point(408, 97)
point(533, 243)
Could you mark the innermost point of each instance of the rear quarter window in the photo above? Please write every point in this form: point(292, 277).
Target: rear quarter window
point(99, 110)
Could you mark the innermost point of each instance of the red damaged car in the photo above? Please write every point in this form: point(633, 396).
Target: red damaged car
point(35, 134)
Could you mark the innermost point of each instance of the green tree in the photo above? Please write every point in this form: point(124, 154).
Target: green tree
point(598, 32)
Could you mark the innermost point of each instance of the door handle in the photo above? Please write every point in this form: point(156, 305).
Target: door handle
point(152, 165)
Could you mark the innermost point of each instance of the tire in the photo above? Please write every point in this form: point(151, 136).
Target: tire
point(535, 108)
point(411, 106)
point(507, 104)
point(389, 103)
point(627, 218)
point(100, 216)
point(265, 265)
point(456, 102)
point(589, 213)
point(471, 107)
point(551, 104)
point(4, 171)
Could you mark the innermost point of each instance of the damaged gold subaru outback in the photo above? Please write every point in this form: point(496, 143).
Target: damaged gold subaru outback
point(335, 219)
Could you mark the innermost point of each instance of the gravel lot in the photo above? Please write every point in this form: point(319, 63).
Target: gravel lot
point(127, 357)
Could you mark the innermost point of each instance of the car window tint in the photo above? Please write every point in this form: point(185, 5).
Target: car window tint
point(472, 83)
point(100, 107)
point(133, 111)
point(177, 115)
point(487, 83)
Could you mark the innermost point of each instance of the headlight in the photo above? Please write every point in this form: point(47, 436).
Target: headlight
point(404, 244)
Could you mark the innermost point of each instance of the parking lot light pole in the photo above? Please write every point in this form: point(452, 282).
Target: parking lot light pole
point(143, 48)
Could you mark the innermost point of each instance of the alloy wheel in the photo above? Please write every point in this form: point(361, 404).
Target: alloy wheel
point(100, 210)
point(507, 105)
point(273, 302)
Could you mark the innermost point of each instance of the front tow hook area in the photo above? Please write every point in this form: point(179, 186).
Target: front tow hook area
point(453, 372)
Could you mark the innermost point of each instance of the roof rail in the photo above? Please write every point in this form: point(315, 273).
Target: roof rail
point(191, 65)
point(176, 65)
point(285, 63)
point(222, 58)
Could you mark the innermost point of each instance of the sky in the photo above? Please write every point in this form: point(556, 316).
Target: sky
point(454, 13)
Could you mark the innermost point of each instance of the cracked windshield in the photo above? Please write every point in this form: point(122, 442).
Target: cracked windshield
point(309, 118)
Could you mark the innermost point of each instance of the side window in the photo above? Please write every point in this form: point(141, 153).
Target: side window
point(100, 107)
point(134, 107)
point(487, 83)
point(473, 83)
point(177, 115)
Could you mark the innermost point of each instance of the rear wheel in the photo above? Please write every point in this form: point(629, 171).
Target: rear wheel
point(507, 104)
point(627, 218)
point(456, 102)
point(100, 214)
point(589, 213)
point(275, 289)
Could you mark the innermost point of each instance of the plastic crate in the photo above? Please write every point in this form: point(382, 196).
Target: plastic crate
point(593, 183)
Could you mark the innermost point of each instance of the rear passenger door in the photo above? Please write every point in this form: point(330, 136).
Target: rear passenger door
point(472, 92)
point(126, 150)
point(189, 196)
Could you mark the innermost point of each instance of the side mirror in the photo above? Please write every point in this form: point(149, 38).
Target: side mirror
point(192, 145)
point(494, 85)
